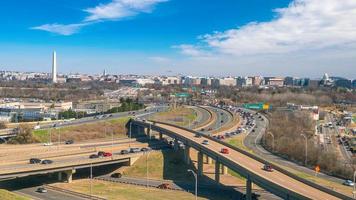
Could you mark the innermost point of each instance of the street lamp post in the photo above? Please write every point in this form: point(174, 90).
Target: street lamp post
point(130, 134)
point(147, 154)
point(196, 183)
point(91, 180)
point(306, 148)
point(353, 192)
point(271, 134)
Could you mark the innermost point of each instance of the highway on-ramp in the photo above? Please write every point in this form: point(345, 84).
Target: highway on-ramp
point(253, 166)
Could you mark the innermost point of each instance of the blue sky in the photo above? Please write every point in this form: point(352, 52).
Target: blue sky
point(199, 37)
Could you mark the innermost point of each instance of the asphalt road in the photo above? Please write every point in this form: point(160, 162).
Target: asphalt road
point(222, 118)
point(256, 167)
point(50, 195)
point(253, 142)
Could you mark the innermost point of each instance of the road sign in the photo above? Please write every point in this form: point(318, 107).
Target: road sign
point(257, 106)
point(182, 95)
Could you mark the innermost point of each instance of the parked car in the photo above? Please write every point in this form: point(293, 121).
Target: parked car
point(41, 190)
point(116, 175)
point(164, 186)
point(35, 160)
point(348, 183)
point(48, 144)
point(225, 151)
point(46, 162)
point(124, 152)
point(92, 156)
point(205, 142)
point(69, 142)
point(197, 136)
point(268, 168)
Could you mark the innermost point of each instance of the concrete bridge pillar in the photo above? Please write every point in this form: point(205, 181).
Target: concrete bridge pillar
point(59, 176)
point(223, 169)
point(200, 163)
point(176, 145)
point(69, 174)
point(248, 188)
point(217, 171)
point(187, 155)
point(209, 160)
point(148, 133)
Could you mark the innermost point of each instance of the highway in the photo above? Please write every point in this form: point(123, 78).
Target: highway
point(252, 166)
point(50, 195)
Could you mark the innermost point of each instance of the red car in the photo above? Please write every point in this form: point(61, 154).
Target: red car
point(107, 154)
point(224, 151)
point(267, 168)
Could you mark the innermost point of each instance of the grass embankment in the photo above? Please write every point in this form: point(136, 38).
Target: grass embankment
point(166, 165)
point(6, 195)
point(117, 191)
point(86, 131)
point(181, 116)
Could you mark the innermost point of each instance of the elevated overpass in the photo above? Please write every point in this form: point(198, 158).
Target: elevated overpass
point(280, 182)
point(68, 168)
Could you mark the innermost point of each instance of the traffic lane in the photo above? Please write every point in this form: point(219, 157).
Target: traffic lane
point(256, 167)
point(141, 113)
point(50, 195)
point(203, 117)
point(222, 118)
point(66, 159)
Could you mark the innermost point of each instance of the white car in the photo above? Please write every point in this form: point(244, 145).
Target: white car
point(348, 183)
point(205, 142)
point(48, 144)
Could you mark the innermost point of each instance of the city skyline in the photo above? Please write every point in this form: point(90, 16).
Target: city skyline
point(256, 38)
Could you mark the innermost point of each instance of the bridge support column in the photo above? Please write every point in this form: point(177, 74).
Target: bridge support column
point(223, 169)
point(217, 171)
point(248, 188)
point(160, 136)
point(59, 176)
point(176, 145)
point(200, 163)
point(187, 155)
point(209, 160)
point(69, 174)
point(148, 133)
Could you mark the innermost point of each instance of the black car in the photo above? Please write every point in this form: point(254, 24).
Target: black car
point(101, 153)
point(35, 160)
point(46, 162)
point(124, 151)
point(69, 142)
point(197, 135)
point(116, 175)
point(41, 190)
point(92, 156)
point(144, 149)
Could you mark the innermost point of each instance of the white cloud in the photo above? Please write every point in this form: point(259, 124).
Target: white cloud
point(116, 9)
point(305, 25)
point(191, 50)
point(61, 29)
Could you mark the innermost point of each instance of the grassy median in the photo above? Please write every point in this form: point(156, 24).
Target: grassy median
point(95, 130)
point(117, 191)
point(181, 116)
point(6, 195)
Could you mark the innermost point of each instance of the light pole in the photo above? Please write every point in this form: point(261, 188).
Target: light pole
point(271, 134)
point(196, 183)
point(306, 148)
point(353, 192)
point(91, 179)
point(147, 154)
point(130, 134)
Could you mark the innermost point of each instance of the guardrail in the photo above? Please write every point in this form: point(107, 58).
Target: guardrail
point(307, 182)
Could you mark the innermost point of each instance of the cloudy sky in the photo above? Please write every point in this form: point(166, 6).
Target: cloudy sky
point(304, 38)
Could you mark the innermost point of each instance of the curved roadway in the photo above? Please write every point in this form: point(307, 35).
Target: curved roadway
point(254, 166)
